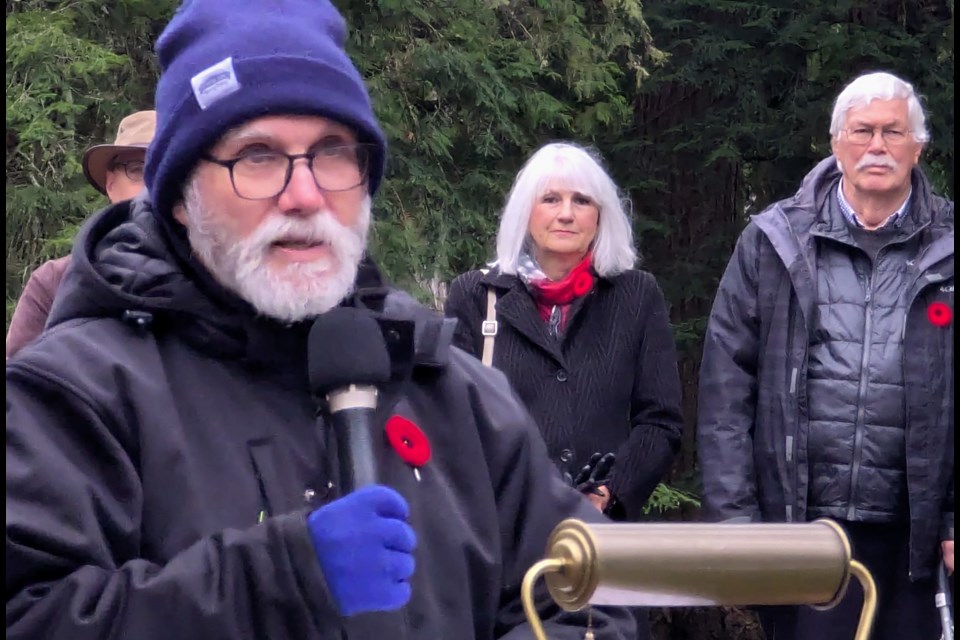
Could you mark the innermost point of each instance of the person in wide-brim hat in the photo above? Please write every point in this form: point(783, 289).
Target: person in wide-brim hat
point(116, 170)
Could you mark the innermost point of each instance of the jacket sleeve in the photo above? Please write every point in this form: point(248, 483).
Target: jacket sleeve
point(76, 567)
point(728, 389)
point(462, 305)
point(656, 416)
point(33, 307)
point(949, 498)
point(531, 500)
point(946, 517)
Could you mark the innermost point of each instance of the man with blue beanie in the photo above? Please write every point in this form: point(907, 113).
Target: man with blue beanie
point(170, 472)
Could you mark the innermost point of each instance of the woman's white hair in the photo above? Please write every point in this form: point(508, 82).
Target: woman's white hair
point(879, 86)
point(567, 166)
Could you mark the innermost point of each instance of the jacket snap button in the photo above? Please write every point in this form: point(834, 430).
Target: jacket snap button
point(566, 455)
point(562, 375)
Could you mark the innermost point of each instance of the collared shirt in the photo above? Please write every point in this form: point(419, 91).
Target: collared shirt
point(895, 219)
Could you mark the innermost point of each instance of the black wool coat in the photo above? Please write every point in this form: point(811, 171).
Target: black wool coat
point(609, 383)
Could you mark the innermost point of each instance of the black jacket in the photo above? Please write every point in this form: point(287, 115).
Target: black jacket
point(155, 420)
point(753, 425)
point(610, 383)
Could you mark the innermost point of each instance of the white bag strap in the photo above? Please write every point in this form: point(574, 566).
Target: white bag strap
point(489, 326)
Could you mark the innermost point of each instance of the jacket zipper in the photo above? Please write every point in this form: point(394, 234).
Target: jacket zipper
point(861, 391)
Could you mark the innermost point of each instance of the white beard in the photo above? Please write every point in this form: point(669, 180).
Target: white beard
point(290, 292)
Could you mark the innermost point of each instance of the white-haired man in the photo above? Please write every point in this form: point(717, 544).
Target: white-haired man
point(169, 472)
point(826, 385)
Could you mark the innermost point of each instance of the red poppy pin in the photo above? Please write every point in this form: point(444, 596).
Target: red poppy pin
point(409, 442)
point(940, 314)
point(582, 283)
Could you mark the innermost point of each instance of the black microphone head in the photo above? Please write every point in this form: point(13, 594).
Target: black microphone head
point(346, 347)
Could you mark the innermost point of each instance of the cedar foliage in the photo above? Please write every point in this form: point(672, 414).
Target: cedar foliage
point(465, 90)
point(74, 69)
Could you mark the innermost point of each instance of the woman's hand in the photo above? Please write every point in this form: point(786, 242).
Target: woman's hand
point(599, 497)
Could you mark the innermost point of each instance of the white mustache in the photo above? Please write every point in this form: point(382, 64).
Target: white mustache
point(875, 160)
point(317, 228)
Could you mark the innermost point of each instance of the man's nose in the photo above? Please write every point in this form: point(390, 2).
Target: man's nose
point(302, 195)
point(877, 143)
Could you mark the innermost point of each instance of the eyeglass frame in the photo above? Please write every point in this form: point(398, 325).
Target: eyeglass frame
point(293, 157)
point(126, 168)
point(907, 133)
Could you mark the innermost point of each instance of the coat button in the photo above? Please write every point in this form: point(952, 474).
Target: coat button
point(566, 455)
point(561, 375)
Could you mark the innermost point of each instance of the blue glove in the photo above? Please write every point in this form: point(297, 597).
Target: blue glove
point(365, 549)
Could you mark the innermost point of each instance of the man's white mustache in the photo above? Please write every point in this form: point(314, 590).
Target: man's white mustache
point(874, 160)
point(318, 228)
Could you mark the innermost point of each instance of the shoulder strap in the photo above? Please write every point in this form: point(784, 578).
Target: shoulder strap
point(489, 326)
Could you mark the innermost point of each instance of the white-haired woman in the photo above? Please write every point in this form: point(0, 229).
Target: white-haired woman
point(583, 336)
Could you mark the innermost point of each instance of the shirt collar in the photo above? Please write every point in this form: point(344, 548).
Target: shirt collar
point(895, 219)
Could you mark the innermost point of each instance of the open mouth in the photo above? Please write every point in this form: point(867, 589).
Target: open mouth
point(301, 250)
point(296, 244)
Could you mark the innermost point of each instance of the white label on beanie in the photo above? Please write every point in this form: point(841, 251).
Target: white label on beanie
point(214, 83)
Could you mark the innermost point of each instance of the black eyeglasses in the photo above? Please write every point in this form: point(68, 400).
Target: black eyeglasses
point(264, 174)
point(133, 169)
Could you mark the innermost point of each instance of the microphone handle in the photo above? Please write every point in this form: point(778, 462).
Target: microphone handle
point(356, 453)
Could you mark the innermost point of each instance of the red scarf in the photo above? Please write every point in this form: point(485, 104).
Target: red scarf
point(560, 293)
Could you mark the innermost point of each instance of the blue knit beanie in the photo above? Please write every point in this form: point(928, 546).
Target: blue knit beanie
point(224, 62)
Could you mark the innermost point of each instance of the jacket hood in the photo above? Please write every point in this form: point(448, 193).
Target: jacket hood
point(790, 223)
point(128, 266)
point(122, 261)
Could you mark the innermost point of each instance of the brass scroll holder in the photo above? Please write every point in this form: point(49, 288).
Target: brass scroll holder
point(693, 564)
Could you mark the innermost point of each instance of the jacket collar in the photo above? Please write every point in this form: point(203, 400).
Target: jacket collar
point(125, 260)
point(516, 307)
point(790, 226)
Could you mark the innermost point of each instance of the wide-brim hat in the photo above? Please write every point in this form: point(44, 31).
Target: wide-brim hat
point(135, 132)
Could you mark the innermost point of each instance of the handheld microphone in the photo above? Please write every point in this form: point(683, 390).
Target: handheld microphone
point(346, 359)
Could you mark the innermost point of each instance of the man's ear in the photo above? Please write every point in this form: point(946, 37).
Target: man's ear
point(110, 178)
point(916, 156)
point(180, 213)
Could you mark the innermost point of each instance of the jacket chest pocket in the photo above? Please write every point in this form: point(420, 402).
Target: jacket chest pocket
point(280, 488)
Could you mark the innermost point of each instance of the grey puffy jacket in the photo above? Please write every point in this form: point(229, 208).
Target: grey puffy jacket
point(753, 423)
